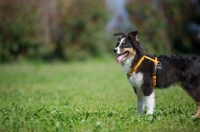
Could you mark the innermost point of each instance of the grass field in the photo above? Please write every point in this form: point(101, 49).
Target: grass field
point(84, 96)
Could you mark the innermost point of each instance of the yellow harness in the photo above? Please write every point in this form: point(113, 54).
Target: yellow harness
point(138, 64)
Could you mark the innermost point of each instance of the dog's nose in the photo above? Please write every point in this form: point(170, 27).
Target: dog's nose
point(115, 50)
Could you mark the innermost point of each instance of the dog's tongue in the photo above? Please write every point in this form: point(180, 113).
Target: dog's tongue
point(119, 58)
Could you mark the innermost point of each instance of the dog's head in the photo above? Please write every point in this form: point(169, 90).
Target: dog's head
point(127, 46)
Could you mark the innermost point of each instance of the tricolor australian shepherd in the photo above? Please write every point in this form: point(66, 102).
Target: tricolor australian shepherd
point(145, 72)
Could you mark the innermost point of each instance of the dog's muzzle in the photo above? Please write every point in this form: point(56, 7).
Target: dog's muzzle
point(115, 50)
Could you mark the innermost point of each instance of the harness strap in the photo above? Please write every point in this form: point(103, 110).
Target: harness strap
point(138, 64)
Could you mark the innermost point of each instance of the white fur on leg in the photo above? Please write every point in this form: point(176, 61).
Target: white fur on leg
point(150, 103)
point(140, 101)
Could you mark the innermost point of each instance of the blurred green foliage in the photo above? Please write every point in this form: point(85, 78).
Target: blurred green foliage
point(19, 30)
point(75, 30)
point(182, 17)
point(48, 29)
point(166, 25)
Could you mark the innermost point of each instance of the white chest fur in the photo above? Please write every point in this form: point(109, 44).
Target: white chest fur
point(136, 79)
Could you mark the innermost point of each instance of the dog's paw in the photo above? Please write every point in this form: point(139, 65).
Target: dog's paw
point(195, 116)
point(150, 112)
point(139, 113)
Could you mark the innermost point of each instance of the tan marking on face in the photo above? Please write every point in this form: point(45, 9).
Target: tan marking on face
point(131, 51)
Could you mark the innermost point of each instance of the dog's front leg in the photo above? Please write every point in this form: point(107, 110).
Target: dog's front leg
point(150, 103)
point(140, 101)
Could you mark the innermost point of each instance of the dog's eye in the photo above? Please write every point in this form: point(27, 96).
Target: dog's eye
point(126, 46)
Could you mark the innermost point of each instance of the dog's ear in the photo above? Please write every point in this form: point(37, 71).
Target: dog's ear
point(134, 36)
point(135, 41)
point(120, 35)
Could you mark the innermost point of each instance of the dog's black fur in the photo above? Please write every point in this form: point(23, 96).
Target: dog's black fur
point(181, 69)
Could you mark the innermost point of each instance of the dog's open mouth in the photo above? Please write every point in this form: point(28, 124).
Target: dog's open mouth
point(122, 56)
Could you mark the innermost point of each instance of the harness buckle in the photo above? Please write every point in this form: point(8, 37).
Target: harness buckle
point(159, 65)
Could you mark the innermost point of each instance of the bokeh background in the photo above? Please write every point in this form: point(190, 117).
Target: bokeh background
point(71, 30)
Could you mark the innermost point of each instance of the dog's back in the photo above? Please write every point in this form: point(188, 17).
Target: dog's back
point(178, 68)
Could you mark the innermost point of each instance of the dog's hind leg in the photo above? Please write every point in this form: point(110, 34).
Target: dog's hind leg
point(198, 110)
point(195, 94)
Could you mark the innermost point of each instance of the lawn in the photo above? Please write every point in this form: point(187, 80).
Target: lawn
point(84, 96)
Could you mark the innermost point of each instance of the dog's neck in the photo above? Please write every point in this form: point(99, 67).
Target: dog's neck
point(130, 62)
point(127, 64)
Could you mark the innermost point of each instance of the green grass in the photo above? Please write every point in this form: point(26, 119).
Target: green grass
point(84, 96)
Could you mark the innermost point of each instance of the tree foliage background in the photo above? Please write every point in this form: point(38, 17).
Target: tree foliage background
point(75, 30)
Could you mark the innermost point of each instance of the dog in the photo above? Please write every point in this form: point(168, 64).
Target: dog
point(146, 72)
